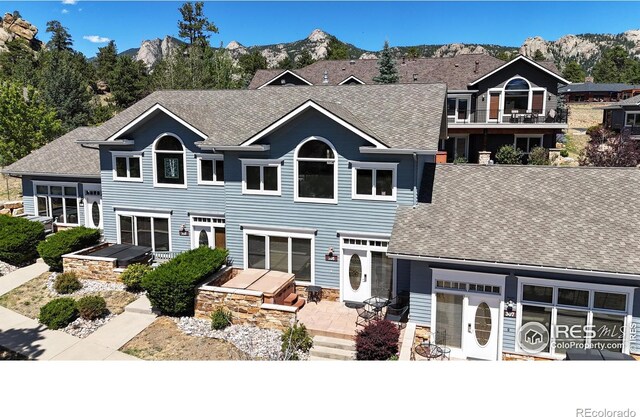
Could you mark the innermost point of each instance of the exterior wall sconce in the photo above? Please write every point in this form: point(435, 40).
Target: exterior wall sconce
point(331, 256)
point(483, 97)
point(183, 231)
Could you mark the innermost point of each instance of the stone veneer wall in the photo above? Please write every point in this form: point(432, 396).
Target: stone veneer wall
point(328, 294)
point(12, 208)
point(91, 268)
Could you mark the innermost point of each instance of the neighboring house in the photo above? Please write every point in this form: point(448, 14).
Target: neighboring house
point(340, 188)
point(597, 92)
point(490, 103)
point(624, 116)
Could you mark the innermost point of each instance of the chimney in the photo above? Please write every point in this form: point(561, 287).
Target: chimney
point(588, 79)
point(477, 67)
point(325, 77)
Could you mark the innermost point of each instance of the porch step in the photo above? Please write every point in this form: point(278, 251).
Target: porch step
point(291, 299)
point(300, 303)
point(335, 343)
point(330, 348)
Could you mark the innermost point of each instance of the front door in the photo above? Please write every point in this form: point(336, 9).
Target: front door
point(93, 209)
point(202, 236)
point(481, 327)
point(356, 277)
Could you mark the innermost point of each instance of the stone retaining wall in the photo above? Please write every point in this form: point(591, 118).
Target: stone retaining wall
point(91, 268)
point(328, 294)
point(12, 208)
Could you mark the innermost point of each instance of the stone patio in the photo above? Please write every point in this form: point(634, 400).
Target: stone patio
point(329, 318)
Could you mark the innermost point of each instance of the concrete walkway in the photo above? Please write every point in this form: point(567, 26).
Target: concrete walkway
point(28, 337)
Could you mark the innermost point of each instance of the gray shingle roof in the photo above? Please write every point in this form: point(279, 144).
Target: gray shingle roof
point(576, 218)
point(63, 156)
point(456, 71)
point(630, 101)
point(400, 116)
point(595, 87)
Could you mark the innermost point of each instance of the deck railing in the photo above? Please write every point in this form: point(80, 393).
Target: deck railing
point(160, 257)
point(509, 117)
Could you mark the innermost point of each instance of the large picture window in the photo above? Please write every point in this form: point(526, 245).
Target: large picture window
point(316, 169)
point(59, 201)
point(144, 230)
point(280, 253)
point(169, 160)
point(516, 96)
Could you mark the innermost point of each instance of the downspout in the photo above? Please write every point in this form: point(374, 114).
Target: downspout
point(415, 179)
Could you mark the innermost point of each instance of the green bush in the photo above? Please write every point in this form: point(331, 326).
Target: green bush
point(66, 241)
point(295, 339)
point(92, 307)
point(132, 276)
point(220, 318)
point(460, 160)
point(171, 287)
point(539, 156)
point(564, 153)
point(67, 283)
point(58, 313)
point(19, 238)
point(509, 155)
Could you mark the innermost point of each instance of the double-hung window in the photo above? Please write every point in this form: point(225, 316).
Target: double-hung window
point(374, 180)
point(261, 176)
point(127, 166)
point(57, 200)
point(210, 170)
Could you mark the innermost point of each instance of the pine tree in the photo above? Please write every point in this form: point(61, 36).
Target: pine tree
point(337, 49)
point(129, 81)
point(250, 63)
point(413, 52)
point(611, 66)
point(286, 63)
point(304, 59)
point(195, 24)
point(106, 61)
point(18, 62)
point(573, 72)
point(387, 67)
point(29, 125)
point(538, 55)
point(60, 37)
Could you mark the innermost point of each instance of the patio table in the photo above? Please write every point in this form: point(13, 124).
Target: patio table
point(377, 304)
point(313, 293)
point(429, 350)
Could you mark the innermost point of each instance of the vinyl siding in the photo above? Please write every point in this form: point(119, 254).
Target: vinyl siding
point(194, 198)
point(635, 340)
point(509, 334)
point(366, 216)
point(420, 301)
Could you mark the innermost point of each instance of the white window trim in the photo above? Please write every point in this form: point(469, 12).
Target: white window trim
point(128, 155)
point(540, 137)
point(626, 113)
point(351, 77)
point(150, 214)
point(282, 74)
point(592, 288)
point(213, 157)
point(276, 233)
point(276, 163)
point(156, 184)
point(219, 223)
point(502, 106)
point(336, 161)
point(457, 98)
point(374, 166)
point(48, 196)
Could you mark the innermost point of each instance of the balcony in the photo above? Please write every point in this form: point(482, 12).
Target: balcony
point(508, 117)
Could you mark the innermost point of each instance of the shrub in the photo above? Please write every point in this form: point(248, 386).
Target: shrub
point(66, 241)
point(58, 313)
point(539, 156)
point(171, 287)
point(378, 341)
point(295, 340)
point(92, 307)
point(460, 160)
point(509, 155)
point(66, 283)
point(19, 238)
point(564, 153)
point(220, 318)
point(132, 276)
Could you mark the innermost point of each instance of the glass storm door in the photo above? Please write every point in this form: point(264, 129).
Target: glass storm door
point(481, 327)
point(356, 276)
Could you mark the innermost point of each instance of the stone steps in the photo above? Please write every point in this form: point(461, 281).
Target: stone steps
point(330, 348)
point(294, 301)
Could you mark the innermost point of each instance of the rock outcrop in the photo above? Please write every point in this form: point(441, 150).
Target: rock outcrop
point(151, 51)
point(13, 27)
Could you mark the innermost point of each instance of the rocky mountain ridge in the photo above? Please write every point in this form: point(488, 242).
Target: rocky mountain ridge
point(12, 28)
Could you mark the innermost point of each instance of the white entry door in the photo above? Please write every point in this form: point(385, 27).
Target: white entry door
point(93, 208)
point(202, 236)
point(356, 275)
point(481, 327)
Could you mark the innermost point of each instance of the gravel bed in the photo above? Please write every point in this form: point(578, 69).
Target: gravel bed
point(89, 286)
point(82, 328)
point(5, 268)
point(254, 341)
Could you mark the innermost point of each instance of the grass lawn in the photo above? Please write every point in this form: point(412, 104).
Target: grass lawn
point(13, 191)
point(29, 297)
point(162, 340)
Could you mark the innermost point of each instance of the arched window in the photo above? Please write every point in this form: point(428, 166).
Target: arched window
point(317, 164)
point(169, 157)
point(516, 96)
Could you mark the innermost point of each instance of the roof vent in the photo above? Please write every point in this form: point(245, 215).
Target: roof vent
point(455, 65)
point(344, 68)
point(325, 77)
point(403, 59)
point(415, 77)
point(283, 81)
point(352, 62)
point(477, 67)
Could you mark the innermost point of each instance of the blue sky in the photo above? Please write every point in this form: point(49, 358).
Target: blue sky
point(364, 24)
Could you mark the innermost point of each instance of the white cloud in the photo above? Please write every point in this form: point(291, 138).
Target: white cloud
point(69, 1)
point(96, 38)
point(65, 11)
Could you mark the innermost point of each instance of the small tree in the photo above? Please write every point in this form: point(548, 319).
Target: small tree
point(574, 72)
point(538, 55)
point(539, 156)
point(508, 155)
point(295, 340)
point(610, 149)
point(195, 25)
point(305, 58)
point(387, 67)
point(250, 63)
point(337, 49)
point(60, 37)
point(413, 52)
point(378, 341)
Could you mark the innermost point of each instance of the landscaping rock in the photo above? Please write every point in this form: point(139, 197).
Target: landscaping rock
point(89, 286)
point(254, 341)
point(5, 268)
point(82, 328)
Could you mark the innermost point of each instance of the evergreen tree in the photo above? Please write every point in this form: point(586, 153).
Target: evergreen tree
point(129, 81)
point(413, 52)
point(18, 62)
point(573, 72)
point(250, 63)
point(538, 55)
point(387, 67)
point(60, 37)
point(286, 63)
point(631, 73)
point(504, 55)
point(337, 49)
point(611, 66)
point(304, 59)
point(106, 61)
point(195, 25)
point(29, 125)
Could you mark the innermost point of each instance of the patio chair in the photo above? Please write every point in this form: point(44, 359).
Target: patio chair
point(365, 315)
point(398, 309)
